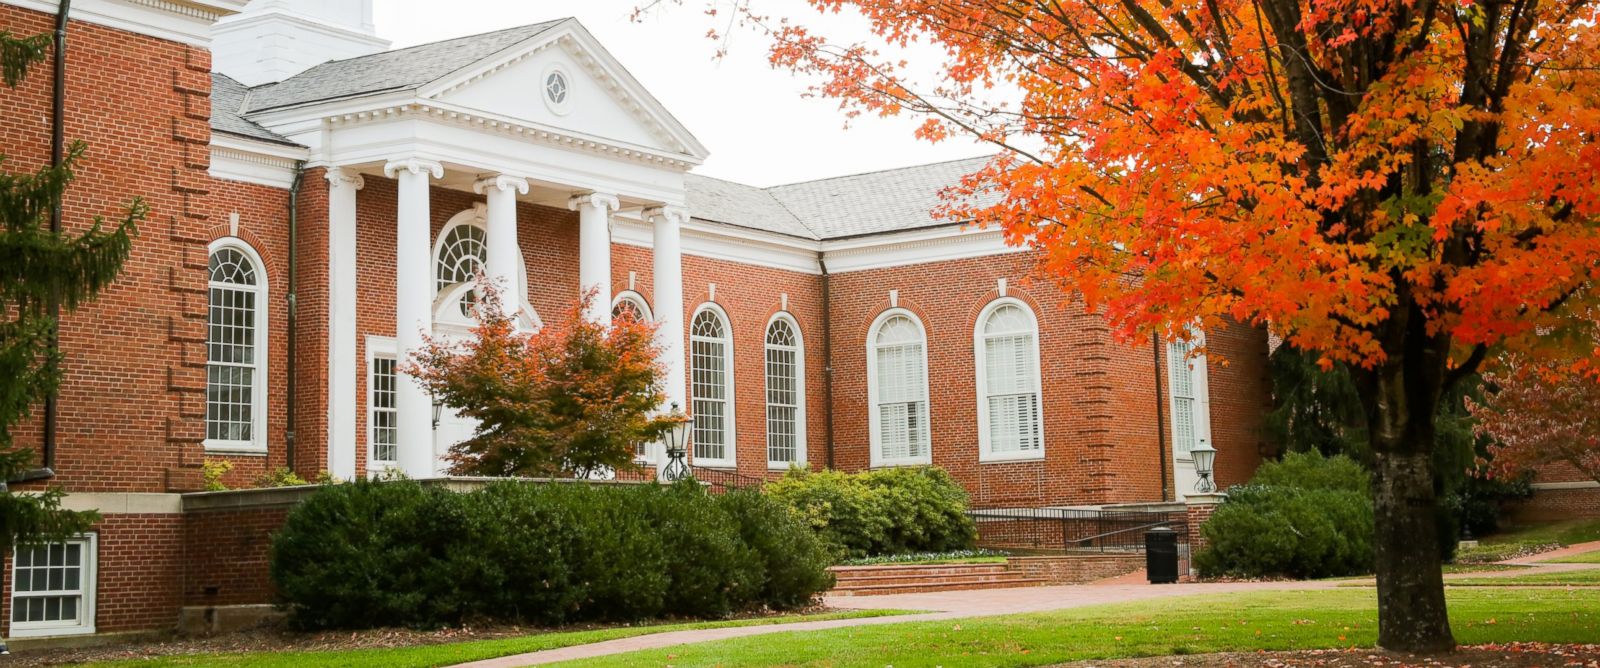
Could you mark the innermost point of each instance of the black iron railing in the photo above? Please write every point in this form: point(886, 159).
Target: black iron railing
point(1072, 529)
point(722, 480)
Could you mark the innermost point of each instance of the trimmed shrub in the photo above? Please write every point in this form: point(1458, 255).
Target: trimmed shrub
point(398, 553)
point(1304, 517)
point(888, 511)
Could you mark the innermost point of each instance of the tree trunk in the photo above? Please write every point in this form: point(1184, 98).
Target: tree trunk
point(1402, 396)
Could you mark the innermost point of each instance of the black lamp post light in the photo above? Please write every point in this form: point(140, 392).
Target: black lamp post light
point(1204, 456)
point(677, 441)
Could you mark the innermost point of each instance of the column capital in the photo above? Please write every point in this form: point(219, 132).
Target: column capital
point(339, 177)
point(501, 182)
point(602, 201)
point(677, 214)
point(413, 165)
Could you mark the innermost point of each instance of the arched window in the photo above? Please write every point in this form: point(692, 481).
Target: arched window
point(897, 380)
point(236, 350)
point(711, 383)
point(1006, 344)
point(786, 394)
point(630, 305)
point(460, 252)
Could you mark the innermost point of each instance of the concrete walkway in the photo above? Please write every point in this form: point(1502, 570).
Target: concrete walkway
point(970, 603)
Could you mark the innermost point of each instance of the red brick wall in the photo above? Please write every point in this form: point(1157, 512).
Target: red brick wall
point(1549, 505)
point(138, 585)
point(228, 553)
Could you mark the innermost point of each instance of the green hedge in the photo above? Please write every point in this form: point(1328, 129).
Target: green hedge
point(398, 553)
point(888, 511)
point(1305, 517)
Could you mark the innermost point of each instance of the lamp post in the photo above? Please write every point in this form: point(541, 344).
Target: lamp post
point(438, 407)
point(677, 438)
point(1204, 456)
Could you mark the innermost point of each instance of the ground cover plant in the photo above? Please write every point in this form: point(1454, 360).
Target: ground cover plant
point(444, 654)
point(399, 553)
point(1242, 622)
point(881, 512)
point(973, 556)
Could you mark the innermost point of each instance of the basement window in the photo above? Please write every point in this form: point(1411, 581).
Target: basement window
point(53, 587)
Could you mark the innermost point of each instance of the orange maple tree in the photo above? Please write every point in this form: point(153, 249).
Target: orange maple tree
point(571, 399)
point(1399, 185)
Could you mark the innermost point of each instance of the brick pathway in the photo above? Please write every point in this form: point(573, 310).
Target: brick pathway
point(957, 604)
point(1568, 551)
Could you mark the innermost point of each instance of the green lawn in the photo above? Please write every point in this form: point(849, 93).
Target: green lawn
point(1590, 577)
point(1239, 622)
point(452, 653)
point(1506, 545)
point(1585, 558)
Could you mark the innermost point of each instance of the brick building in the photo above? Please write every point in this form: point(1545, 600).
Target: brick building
point(318, 202)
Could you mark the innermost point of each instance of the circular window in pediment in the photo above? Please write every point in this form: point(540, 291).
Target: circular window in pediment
point(556, 87)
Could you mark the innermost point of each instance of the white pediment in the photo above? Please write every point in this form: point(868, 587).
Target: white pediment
point(564, 80)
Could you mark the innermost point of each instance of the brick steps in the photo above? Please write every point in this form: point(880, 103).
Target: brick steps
point(916, 579)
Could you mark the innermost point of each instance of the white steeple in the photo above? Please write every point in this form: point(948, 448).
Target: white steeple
point(272, 40)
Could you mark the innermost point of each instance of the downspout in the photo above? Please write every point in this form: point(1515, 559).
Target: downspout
point(289, 365)
point(1161, 419)
point(827, 355)
point(58, 103)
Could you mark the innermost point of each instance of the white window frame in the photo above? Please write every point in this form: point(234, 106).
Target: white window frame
point(383, 347)
point(88, 583)
point(447, 316)
point(874, 419)
point(980, 356)
point(799, 389)
point(730, 425)
point(636, 300)
point(257, 445)
point(1199, 380)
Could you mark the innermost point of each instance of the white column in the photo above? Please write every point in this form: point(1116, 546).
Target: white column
point(342, 366)
point(667, 278)
point(594, 249)
point(413, 309)
point(501, 265)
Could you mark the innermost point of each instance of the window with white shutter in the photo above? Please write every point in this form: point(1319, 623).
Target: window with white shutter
point(898, 383)
point(1010, 424)
point(1186, 373)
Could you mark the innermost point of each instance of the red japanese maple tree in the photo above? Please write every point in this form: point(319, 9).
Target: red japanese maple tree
point(1399, 185)
point(1541, 413)
point(573, 398)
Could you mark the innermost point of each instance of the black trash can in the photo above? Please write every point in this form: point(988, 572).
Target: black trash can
point(1161, 555)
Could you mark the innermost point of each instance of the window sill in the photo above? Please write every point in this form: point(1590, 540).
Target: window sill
point(50, 631)
point(723, 464)
point(784, 466)
point(239, 449)
point(899, 463)
point(1010, 457)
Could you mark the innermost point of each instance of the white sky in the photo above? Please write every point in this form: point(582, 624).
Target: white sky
point(759, 129)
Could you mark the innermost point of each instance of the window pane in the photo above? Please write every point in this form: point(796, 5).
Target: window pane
point(708, 359)
point(385, 419)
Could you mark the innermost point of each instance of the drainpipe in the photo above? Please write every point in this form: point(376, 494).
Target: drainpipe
point(1161, 420)
point(289, 366)
point(58, 103)
point(827, 355)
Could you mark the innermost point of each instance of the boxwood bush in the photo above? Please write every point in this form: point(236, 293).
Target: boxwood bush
point(398, 553)
point(1306, 516)
point(888, 511)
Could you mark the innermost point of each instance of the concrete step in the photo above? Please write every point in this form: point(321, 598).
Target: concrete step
point(919, 588)
point(925, 570)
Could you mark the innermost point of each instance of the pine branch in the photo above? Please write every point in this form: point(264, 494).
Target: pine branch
point(18, 53)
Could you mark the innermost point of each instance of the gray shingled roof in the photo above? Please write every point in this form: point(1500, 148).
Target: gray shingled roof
point(400, 69)
point(892, 200)
point(732, 203)
point(227, 101)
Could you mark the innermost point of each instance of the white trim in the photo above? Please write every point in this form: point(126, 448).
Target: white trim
point(730, 424)
point(124, 503)
point(980, 364)
point(261, 163)
point(1574, 484)
point(258, 394)
point(183, 21)
point(727, 243)
point(634, 297)
point(88, 583)
point(799, 389)
point(378, 347)
point(875, 444)
point(564, 106)
point(447, 315)
point(935, 244)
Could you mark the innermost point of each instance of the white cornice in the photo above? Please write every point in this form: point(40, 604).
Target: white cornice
point(184, 21)
point(261, 163)
point(938, 244)
point(234, 23)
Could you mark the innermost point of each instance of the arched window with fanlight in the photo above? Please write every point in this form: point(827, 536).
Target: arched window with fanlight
point(236, 349)
point(711, 386)
point(630, 305)
point(459, 254)
point(897, 382)
point(1006, 346)
point(786, 393)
